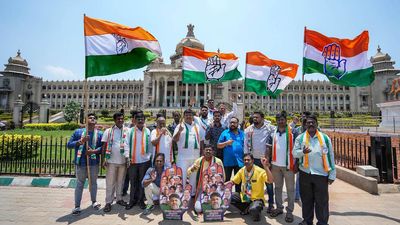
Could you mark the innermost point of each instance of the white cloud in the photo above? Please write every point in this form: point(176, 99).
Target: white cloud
point(60, 73)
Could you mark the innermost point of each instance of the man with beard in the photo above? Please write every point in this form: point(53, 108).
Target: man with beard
point(252, 179)
point(151, 182)
point(231, 140)
point(174, 202)
point(215, 201)
point(255, 142)
point(161, 139)
point(84, 155)
point(203, 121)
point(226, 117)
point(171, 128)
point(284, 166)
point(211, 109)
point(200, 166)
point(317, 171)
point(214, 132)
point(189, 138)
point(140, 152)
point(116, 159)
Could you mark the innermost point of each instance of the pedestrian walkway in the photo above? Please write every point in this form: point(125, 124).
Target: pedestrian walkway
point(37, 205)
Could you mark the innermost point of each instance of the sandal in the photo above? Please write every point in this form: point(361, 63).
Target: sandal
point(276, 212)
point(289, 218)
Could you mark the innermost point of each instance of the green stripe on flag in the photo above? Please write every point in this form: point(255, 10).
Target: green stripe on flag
point(193, 77)
point(260, 88)
point(101, 65)
point(355, 78)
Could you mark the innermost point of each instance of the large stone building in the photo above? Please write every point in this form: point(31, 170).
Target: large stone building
point(162, 88)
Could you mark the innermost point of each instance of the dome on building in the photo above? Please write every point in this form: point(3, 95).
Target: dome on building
point(189, 41)
point(380, 57)
point(17, 64)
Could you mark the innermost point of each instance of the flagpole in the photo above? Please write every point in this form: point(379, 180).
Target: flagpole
point(302, 78)
point(244, 86)
point(85, 87)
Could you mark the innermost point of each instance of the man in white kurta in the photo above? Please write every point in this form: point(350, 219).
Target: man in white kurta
point(161, 139)
point(189, 138)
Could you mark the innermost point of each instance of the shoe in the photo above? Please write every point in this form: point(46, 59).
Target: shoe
point(107, 208)
point(122, 203)
point(270, 208)
point(96, 205)
point(276, 212)
point(289, 218)
point(76, 211)
point(142, 205)
point(304, 223)
point(130, 205)
point(256, 218)
point(148, 209)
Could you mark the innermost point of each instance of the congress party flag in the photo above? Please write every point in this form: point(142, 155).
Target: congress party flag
point(266, 76)
point(205, 67)
point(113, 48)
point(343, 61)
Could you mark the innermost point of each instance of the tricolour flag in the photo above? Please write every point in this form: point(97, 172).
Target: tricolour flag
point(204, 67)
point(266, 76)
point(113, 48)
point(345, 62)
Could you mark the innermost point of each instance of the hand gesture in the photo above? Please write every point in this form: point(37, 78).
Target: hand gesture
point(229, 142)
point(273, 78)
point(84, 139)
point(334, 65)
point(265, 162)
point(215, 70)
point(153, 175)
point(105, 164)
point(90, 151)
point(180, 128)
point(306, 150)
point(163, 131)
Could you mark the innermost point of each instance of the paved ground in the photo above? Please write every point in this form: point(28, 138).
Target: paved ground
point(35, 205)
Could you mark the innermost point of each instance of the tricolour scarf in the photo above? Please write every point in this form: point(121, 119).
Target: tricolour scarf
point(110, 142)
point(133, 141)
point(93, 146)
point(326, 157)
point(289, 147)
point(246, 186)
point(158, 146)
point(197, 139)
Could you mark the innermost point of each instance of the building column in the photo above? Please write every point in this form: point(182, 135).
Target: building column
point(262, 102)
point(157, 93)
point(176, 92)
point(197, 96)
point(205, 93)
point(186, 95)
point(153, 92)
point(209, 90)
point(165, 92)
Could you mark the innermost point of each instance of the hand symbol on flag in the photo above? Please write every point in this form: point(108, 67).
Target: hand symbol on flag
point(215, 70)
point(333, 66)
point(273, 78)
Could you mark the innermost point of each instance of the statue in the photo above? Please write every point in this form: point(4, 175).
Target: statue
point(190, 32)
point(395, 88)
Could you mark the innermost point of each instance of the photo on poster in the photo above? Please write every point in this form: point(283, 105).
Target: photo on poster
point(174, 196)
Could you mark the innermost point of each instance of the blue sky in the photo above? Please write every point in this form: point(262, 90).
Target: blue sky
point(50, 33)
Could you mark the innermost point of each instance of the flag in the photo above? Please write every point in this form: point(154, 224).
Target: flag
point(113, 48)
point(343, 61)
point(266, 76)
point(205, 67)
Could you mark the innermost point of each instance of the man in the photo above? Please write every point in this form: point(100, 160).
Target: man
point(211, 109)
point(171, 128)
point(174, 201)
point(116, 159)
point(203, 121)
point(189, 139)
point(215, 201)
point(130, 125)
point(161, 139)
point(231, 140)
point(154, 125)
point(255, 142)
point(284, 166)
point(214, 131)
point(151, 181)
point(317, 171)
point(226, 117)
point(294, 122)
point(140, 152)
point(87, 146)
point(252, 178)
point(200, 166)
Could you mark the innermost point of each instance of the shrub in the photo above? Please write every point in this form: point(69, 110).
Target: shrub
point(52, 126)
point(147, 114)
point(105, 113)
point(18, 146)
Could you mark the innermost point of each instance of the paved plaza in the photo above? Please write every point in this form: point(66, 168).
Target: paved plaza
point(35, 205)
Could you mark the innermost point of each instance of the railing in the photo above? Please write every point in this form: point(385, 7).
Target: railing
point(47, 157)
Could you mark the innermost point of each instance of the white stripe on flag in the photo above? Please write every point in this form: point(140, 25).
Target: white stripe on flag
point(194, 64)
point(261, 73)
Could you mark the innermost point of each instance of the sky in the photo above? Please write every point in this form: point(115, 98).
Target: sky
point(50, 33)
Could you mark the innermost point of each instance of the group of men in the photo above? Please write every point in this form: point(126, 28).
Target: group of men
point(253, 157)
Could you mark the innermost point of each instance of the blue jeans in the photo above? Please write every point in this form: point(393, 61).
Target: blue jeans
point(270, 187)
point(297, 195)
point(81, 175)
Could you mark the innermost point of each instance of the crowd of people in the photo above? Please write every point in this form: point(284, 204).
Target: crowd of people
point(256, 157)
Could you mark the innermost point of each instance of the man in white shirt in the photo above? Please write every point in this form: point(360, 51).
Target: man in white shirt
point(116, 158)
point(226, 117)
point(161, 139)
point(140, 152)
point(189, 138)
point(203, 121)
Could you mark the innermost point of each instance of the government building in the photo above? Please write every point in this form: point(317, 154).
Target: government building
point(162, 88)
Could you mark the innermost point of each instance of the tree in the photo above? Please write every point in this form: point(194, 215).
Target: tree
point(105, 113)
point(71, 111)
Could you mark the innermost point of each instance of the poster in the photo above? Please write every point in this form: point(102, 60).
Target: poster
point(174, 197)
point(215, 196)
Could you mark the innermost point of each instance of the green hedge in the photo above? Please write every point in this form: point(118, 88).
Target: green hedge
point(52, 126)
point(18, 146)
